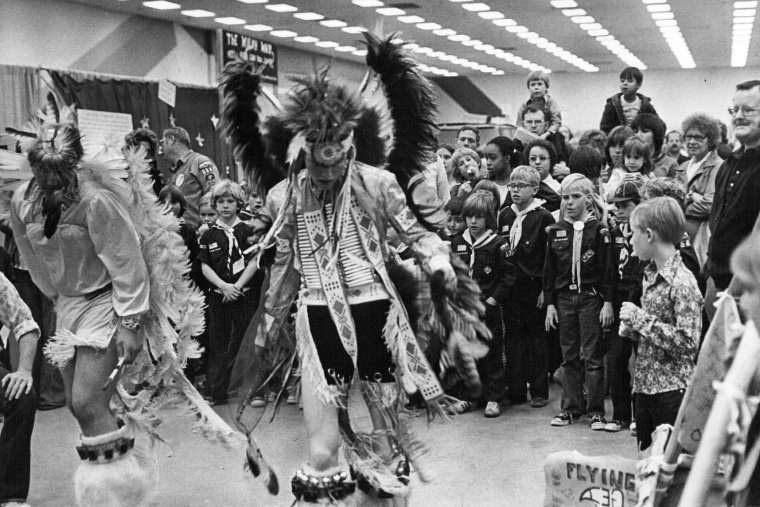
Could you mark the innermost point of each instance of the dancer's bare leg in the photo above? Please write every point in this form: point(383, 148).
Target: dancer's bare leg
point(321, 427)
point(84, 381)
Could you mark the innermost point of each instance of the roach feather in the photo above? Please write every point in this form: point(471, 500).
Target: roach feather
point(241, 87)
point(51, 108)
point(20, 135)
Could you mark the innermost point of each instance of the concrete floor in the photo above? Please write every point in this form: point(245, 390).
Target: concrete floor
point(477, 461)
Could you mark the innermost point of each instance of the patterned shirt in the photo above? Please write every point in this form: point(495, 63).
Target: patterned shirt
point(667, 326)
point(14, 314)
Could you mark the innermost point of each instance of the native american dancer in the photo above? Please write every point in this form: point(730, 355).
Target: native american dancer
point(353, 175)
point(97, 244)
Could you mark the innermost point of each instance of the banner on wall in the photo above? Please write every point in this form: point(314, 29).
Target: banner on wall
point(103, 130)
point(263, 53)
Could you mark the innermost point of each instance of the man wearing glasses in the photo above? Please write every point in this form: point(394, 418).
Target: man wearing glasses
point(194, 174)
point(735, 205)
point(536, 122)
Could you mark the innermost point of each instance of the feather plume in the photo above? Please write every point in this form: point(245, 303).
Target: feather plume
point(412, 104)
point(320, 110)
point(241, 122)
point(278, 139)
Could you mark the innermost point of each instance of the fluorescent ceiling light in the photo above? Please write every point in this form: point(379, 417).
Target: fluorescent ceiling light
point(574, 12)
point(516, 29)
point(436, 54)
point(230, 21)
point(658, 8)
point(599, 32)
point(354, 29)
point(476, 7)
point(504, 22)
point(591, 26)
point(483, 47)
point(459, 38)
point(582, 19)
point(258, 28)
point(306, 39)
point(745, 5)
point(198, 13)
point(327, 44)
point(361, 52)
point(411, 19)
point(666, 22)
point(367, 3)
point(428, 26)
point(745, 13)
point(423, 50)
point(161, 5)
point(390, 11)
point(663, 15)
point(654, 1)
point(564, 4)
point(410, 45)
point(284, 34)
point(491, 15)
point(444, 32)
point(333, 23)
point(281, 8)
point(527, 35)
point(308, 16)
point(345, 49)
point(472, 43)
point(253, 1)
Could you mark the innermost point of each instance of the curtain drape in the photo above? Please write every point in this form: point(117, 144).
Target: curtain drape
point(19, 95)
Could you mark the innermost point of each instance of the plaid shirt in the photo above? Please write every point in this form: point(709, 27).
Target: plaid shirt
point(667, 326)
point(14, 314)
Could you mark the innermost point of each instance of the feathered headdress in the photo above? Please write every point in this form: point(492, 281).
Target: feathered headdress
point(54, 148)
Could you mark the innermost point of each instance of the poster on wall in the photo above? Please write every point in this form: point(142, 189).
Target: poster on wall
point(103, 130)
point(258, 51)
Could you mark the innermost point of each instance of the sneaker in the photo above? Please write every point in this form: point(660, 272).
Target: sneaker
point(292, 399)
point(614, 426)
point(598, 422)
point(492, 409)
point(633, 428)
point(539, 402)
point(563, 419)
point(258, 402)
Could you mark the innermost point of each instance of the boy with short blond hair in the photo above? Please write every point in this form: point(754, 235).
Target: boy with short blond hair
point(538, 85)
point(234, 290)
point(524, 225)
point(667, 327)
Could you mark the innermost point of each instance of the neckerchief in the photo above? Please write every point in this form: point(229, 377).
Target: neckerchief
point(232, 248)
point(481, 241)
point(515, 233)
point(578, 226)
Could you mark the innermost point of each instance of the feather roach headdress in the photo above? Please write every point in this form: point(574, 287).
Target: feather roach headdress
point(54, 148)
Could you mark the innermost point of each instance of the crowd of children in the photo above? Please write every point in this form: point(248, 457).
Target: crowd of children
point(602, 255)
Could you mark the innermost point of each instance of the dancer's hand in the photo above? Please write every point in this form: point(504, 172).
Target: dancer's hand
point(128, 344)
point(17, 383)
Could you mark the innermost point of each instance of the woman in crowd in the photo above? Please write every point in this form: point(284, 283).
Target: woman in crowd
point(702, 135)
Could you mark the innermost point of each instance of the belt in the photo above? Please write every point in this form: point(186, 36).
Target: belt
point(98, 292)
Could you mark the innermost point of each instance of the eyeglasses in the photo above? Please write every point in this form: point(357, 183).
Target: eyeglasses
point(694, 137)
point(519, 186)
point(533, 122)
point(746, 111)
point(539, 158)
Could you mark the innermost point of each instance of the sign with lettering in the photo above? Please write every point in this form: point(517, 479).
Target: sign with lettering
point(263, 53)
point(103, 131)
point(573, 479)
point(167, 92)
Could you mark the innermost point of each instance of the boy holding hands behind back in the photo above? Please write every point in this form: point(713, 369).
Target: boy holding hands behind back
point(667, 326)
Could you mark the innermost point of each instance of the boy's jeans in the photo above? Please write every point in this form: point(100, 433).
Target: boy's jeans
point(15, 445)
point(580, 330)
